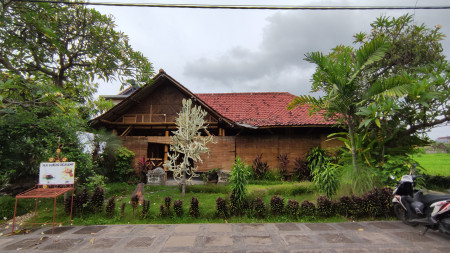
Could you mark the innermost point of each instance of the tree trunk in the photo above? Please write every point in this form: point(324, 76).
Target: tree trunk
point(353, 148)
point(183, 184)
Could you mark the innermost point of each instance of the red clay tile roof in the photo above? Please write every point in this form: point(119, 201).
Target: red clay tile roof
point(261, 109)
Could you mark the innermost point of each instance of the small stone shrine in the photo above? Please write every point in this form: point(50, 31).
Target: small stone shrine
point(224, 177)
point(157, 176)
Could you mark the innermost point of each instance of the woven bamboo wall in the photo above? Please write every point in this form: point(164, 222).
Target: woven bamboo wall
point(137, 144)
point(221, 154)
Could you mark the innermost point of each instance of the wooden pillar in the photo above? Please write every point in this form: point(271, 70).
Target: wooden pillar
point(166, 152)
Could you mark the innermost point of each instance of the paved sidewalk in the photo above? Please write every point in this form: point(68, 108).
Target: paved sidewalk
point(380, 236)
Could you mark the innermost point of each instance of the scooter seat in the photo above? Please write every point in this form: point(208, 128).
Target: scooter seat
point(429, 199)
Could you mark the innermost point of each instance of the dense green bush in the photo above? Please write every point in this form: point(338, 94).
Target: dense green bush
point(116, 164)
point(165, 209)
point(436, 182)
point(378, 202)
point(194, 210)
point(276, 205)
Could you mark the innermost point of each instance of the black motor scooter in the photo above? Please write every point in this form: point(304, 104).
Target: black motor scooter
point(415, 208)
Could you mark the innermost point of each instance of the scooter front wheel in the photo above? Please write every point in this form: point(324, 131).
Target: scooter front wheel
point(402, 215)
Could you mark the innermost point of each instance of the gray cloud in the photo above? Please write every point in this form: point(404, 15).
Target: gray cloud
point(277, 63)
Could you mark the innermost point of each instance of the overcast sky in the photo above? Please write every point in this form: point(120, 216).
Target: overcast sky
point(212, 51)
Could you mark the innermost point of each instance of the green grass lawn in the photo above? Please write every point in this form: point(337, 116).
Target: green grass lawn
point(434, 164)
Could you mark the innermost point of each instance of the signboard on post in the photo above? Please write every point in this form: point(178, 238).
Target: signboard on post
point(57, 173)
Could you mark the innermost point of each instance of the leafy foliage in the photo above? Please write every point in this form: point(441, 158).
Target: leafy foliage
point(302, 171)
point(110, 209)
point(259, 208)
point(238, 182)
point(292, 207)
point(307, 208)
point(222, 208)
point(97, 200)
point(194, 210)
point(117, 163)
point(392, 88)
point(178, 207)
point(283, 162)
point(260, 168)
point(327, 179)
point(277, 205)
point(325, 207)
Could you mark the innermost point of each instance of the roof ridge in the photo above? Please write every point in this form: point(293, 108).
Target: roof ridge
point(244, 93)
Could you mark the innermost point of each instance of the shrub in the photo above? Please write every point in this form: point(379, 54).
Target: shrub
point(325, 207)
point(79, 202)
point(116, 164)
point(307, 208)
point(283, 162)
point(145, 208)
point(238, 182)
point(166, 211)
point(292, 208)
point(358, 209)
point(259, 167)
point(345, 206)
point(111, 207)
point(259, 208)
point(178, 207)
point(193, 209)
point(277, 205)
point(327, 179)
point(221, 208)
point(302, 172)
point(436, 182)
point(97, 200)
point(378, 202)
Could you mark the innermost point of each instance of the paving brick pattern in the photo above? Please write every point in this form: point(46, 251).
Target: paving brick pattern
point(389, 236)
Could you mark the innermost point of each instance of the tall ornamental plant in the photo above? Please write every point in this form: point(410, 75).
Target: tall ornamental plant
point(187, 143)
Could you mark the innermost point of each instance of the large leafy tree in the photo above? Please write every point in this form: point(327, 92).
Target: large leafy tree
point(383, 93)
point(51, 56)
point(67, 46)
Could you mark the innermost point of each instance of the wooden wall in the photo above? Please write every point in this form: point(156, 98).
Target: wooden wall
point(137, 144)
point(248, 147)
point(221, 154)
point(223, 151)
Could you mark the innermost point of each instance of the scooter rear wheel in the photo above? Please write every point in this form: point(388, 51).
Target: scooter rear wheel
point(402, 215)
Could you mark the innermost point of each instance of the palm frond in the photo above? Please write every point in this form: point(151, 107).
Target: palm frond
point(303, 100)
point(369, 53)
point(396, 86)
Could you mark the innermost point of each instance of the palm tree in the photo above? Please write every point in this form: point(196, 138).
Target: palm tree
point(349, 80)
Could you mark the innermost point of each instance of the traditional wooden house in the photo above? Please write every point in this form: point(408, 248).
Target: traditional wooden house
point(244, 124)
